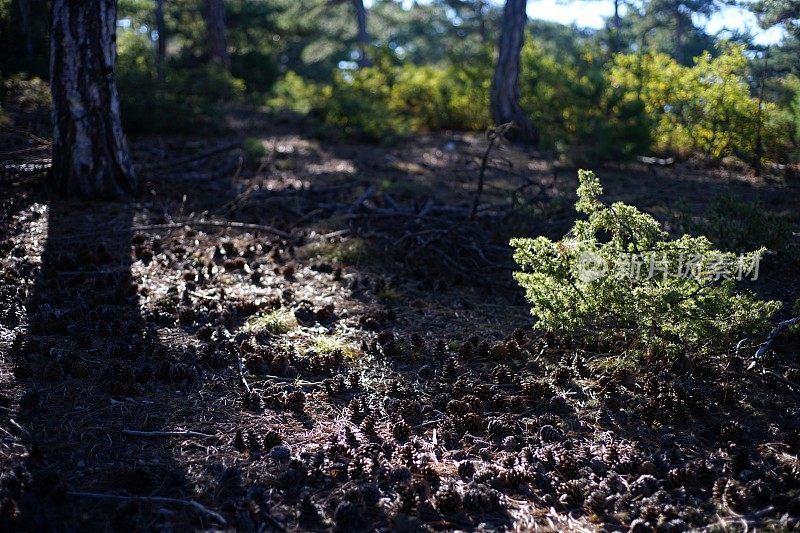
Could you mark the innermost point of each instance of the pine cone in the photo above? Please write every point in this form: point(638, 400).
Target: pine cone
point(368, 426)
point(734, 497)
point(502, 374)
point(466, 469)
point(401, 430)
point(719, 488)
point(238, 440)
point(448, 501)
point(271, 439)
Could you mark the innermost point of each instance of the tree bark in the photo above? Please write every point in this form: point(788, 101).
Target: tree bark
point(25, 26)
point(90, 154)
point(363, 34)
point(161, 28)
point(214, 14)
point(680, 30)
point(504, 94)
point(480, 10)
point(616, 43)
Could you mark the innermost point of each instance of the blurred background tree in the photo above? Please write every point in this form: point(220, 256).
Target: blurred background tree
point(381, 69)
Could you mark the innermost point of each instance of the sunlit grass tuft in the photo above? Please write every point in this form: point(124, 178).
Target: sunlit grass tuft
point(327, 344)
point(349, 251)
point(277, 322)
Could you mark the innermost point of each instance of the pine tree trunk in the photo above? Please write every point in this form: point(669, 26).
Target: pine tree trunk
point(90, 154)
point(25, 23)
point(616, 41)
point(505, 83)
point(214, 14)
point(161, 28)
point(680, 30)
point(363, 34)
point(480, 10)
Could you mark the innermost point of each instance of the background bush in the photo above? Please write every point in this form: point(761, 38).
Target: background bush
point(187, 98)
point(705, 109)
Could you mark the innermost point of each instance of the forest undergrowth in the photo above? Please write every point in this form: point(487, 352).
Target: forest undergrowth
point(324, 335)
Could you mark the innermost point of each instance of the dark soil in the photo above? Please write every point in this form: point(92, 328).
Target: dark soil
point(331, 341)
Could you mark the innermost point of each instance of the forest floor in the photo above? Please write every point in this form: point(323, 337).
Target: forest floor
point(325, 338)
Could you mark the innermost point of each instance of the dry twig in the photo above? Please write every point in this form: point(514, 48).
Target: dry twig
point(137, 433)
point(152, 499)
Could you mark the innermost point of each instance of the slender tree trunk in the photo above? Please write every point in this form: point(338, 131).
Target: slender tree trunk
point(161, 28)
point(480, 13)
point(505, 83)
point(90, 154)
point(616, 42)
point(25, 23)
point(759, 142)
point(363, 34)
point(214, 14)
point(680, 29)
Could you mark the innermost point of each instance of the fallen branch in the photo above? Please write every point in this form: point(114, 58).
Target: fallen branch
point(426, 424)
point(298, 382)
point(191, 159)
point(151, 499)
point(22, 151)
point(215, 224)
point(777, 330)
point(493, 134)
point(363, 198)
point(425, 208)
point(656, 161)
point(137, 433)
point(240, 365)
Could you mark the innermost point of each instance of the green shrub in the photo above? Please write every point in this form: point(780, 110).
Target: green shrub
point(431, 98)
point(704, 109)
point(25, 103)
point(357, 105)
point(580, 113)
point(294, 93)
point(187, 99)
point(467, 95)
point(383, 103)
point(27, 94)
point(586, 283)
point(253, 150)
point(417, 95)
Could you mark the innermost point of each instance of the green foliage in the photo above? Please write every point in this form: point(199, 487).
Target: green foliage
point(430, 98)
point(330, 344)
point(26, 103)
point(356, 105)
point(432, 69)
point(704, 109)
point(580, 285)
point(253, 150)
point(186, 99)
point(294, 93)
point(384, 102)
point(27, 93)
point(580, 112)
